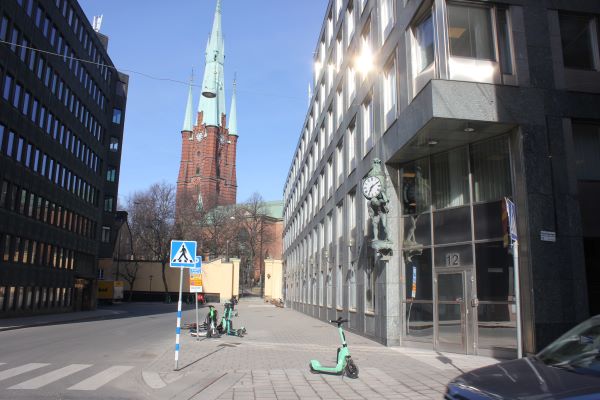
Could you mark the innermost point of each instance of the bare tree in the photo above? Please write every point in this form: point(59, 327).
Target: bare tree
point(129, 273)
point(252, 219)
point(152, 216)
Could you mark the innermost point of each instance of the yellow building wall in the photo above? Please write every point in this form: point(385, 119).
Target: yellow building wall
point(273, 279)
point(216, 277)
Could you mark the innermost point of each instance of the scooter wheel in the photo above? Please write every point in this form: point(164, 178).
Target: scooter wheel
point(351, 369)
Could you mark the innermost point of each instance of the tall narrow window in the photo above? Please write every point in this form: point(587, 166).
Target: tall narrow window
point(351, 147)
point(116, 119)
point(352, 287)
point(390, 94)
point(423, 33)
point(367, 126)
point(387, 17)
point(338, 288)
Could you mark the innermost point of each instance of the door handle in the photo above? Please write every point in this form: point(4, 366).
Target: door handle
point(475, 302)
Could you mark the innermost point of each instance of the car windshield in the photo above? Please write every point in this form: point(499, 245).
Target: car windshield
point(577, 350)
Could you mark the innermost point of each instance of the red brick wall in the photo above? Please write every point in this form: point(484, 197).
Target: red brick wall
point(207, 166)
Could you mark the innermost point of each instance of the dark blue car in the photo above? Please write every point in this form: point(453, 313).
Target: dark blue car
point(569, 368)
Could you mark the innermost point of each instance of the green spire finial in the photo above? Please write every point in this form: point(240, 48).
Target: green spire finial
point(212, 101)
point(233, 111)
point(188, 121)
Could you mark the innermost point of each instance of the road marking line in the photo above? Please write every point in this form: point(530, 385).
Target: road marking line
point(50, 377)
point(101, 378)
point(9, 373)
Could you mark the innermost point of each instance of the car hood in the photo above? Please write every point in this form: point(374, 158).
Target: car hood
point(526, 378)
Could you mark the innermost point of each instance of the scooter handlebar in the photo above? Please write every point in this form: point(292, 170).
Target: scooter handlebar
point(338, 321)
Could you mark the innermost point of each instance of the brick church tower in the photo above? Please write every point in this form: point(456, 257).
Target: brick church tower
point(209, 141)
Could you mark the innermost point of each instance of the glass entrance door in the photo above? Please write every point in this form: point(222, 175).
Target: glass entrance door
point(451, 312)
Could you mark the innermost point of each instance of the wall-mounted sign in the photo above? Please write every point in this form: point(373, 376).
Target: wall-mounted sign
point(547, 236)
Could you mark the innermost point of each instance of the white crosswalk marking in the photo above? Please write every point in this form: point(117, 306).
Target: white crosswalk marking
point(50, 377)
point(9, 373)
point(101, 378)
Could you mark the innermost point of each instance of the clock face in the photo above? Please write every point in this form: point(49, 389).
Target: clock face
point(199, 136)
point(371, 187)
point(221, 139)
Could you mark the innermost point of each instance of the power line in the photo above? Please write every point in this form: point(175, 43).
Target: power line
point(131, 71)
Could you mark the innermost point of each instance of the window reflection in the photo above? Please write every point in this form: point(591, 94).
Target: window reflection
point(470, 31)
point(418, 274)
point(416, 187)
point(450, 183)
point(424, 38)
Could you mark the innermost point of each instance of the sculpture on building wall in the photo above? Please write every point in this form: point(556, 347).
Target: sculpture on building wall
point(374, 190)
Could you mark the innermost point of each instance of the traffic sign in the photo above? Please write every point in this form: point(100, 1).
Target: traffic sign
point(183, 254)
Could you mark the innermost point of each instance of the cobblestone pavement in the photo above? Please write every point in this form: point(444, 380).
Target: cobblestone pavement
point(271, 362)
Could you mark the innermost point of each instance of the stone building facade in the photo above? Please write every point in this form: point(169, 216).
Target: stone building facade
point(466, 104)
point(62, 112)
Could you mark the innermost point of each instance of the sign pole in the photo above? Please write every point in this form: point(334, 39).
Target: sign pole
point(178, 329)
point(197, 326)
point(511, 211)
point(515, 249)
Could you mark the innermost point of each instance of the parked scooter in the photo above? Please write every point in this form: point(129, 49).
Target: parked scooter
point(226, 326)
point(344, 360)
point(211, 323)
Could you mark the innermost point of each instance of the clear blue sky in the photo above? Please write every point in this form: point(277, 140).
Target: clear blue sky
point(268, 43)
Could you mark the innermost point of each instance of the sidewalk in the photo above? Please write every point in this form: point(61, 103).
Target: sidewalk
point(271, 362)
point(51, 319)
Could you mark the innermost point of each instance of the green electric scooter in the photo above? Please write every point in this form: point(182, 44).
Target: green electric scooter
point(344, 361)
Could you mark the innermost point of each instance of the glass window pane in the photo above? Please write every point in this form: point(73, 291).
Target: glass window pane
point(418, 282)
point(453, 256)
point(496, 324)
point(417, 230)
point(470, 32)
point(488, 220)
point(416, 187)
point(586, 140)
point(450, 287)
point(491, 170)
point(450, 178)
point(452, 226)
point(504, 42)
point(576, 38)
point(419, 321)
point(424, 38)
point(495, 277)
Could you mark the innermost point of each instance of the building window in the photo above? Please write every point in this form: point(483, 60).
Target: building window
point(351, 84)
point(116, 119)
point(370, 286)
point(339, 163)
point(367, 125)
point(470, 32)
point(390, 94)
point(109, 203)
point(349, 22)
point(579, 37)
point(423, 34)
point(114, 144)
point(491, 170)
point(7, 87)
point(386, 17)
point(351, 287)
point(338, 288)
point(105, 234)
point(339, 106)
point(450, 183)
point(111, 174)
point(351, 147)
point(586, 140)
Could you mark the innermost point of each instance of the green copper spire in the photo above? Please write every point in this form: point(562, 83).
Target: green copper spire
point(232, 119)
point(212, 101)
point(188, 121)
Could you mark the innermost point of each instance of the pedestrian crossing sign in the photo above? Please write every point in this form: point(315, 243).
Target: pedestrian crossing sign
point(183, 254)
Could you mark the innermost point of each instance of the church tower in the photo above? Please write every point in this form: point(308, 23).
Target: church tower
point(208, 148)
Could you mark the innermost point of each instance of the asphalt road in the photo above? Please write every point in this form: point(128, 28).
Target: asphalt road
point(99, 359)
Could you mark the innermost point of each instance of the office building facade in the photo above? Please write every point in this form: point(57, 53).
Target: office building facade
point(61, 127)
point(466, 103)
